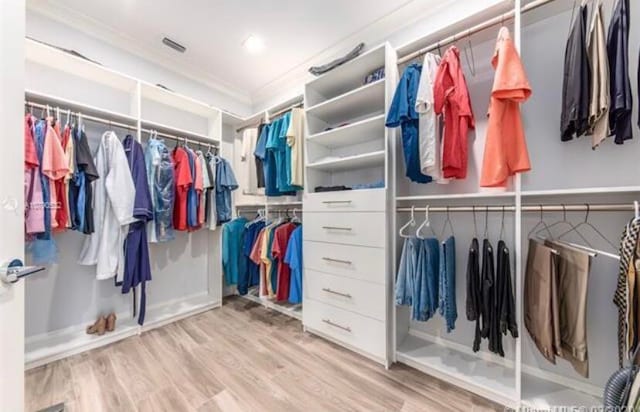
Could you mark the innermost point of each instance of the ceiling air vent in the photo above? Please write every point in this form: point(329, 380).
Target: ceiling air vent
point(174, 45)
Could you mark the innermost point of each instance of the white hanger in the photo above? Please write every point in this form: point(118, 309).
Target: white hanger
point(410, 223)
point(426, 223)
point(636, 207)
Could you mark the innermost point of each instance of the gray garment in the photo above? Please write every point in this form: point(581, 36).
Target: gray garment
point(318, 70)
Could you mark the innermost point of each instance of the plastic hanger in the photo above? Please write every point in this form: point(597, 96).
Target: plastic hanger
point(295, 218)
point(426, 223)
point(410, 223)
point(447, 223)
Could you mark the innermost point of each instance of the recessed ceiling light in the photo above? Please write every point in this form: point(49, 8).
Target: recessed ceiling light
point(253, 44)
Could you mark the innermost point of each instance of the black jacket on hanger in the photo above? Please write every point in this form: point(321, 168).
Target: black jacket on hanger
point(474, 291)
point(488, 277)
point(508, 321)
point(620, 114)
point(576, 81)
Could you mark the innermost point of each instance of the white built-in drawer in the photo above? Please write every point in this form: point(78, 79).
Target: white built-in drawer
point(365, 298)
point(369, 200)
point(365, 229)
point(355, 330)
point(358, 262)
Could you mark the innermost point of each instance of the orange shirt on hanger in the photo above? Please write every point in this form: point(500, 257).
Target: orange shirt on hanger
point(505, 150)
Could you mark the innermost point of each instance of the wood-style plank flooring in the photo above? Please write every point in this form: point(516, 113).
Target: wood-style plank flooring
point(241, 357)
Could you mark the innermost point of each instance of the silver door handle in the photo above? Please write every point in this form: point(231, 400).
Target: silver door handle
point(346, 262)
point(13, 271)
point(335, 325)
point(347, 229)
point(345, 295)
point(332, 202)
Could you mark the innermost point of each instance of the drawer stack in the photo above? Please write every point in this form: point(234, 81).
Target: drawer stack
point(345, 274)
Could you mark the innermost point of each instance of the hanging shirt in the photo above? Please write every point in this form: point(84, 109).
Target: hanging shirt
point(260, 153)
point(234, 264)
point(295, 149)
point(247, 162)
point(505, 150)
point(82, 189)
point(429, 125)
point(293, 258)
point(207, 185)
point(451, 98)
point(618, 53)
point(575, 87)
point(34, 210)
point(599, 99)
point(474, 291)
point(281, 237)
point(183, 182)
point(199, 185)
point(403, 113)
point(137, 267)
point(69, 154)
point(212, 213)
point(225, 184)
point(55, 168)
point(253, 269)
point(265, 256)
point(114, 202)
point(256, 258)
point(192, 193)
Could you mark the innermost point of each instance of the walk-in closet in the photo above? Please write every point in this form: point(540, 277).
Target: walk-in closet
point(415, 205)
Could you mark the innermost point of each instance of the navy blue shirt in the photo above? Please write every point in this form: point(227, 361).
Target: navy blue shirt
point(403, 113)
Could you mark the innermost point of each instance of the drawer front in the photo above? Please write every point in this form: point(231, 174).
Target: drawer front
point(358, 331)
point(357, 262)
point(365, 229)
point(372, 200)
point(365, 298)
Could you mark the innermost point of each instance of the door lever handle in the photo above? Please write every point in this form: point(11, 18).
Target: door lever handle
point(14, 271)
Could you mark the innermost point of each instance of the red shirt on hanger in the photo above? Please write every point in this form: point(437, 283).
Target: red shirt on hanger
point(280, 242)
point(183, 182)
point(451, 98)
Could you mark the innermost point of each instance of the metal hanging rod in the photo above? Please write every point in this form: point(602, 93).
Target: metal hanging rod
point(267, 114)
point(96, 119)
point(182, 139)
point(473, 30)
point(526, 208)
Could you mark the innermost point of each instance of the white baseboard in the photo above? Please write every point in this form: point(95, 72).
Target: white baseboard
point(52, 346)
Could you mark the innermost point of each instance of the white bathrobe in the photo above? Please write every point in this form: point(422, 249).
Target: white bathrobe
point(113, 199)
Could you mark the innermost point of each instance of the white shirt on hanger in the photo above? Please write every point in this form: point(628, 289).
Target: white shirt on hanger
point(295, 140)
point(249, 183)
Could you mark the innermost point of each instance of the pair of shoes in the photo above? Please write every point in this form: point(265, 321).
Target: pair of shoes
point(102, 325)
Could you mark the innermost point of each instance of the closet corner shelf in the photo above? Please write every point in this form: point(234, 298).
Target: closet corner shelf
point(361, 131)
point(582, 191)
point(75, 106)
point(149, 124)
point(43, 54)
point(360, 161)
point(445, 196)
point(176, 100)
point(364, 100)
point(485, 378)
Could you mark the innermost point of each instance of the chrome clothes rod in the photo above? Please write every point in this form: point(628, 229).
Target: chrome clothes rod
point(270, 115)
point(131, 126)
point(473, 30)
point(526, 208)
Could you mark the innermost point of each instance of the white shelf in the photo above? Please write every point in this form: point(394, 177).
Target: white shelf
point(541, 394)
point(162, 314)
point(582, 191)
point(360, 161)
point(345, 77)
point(367, 99)
point(485, 378)
point(231, 119)
point(148, 124)
point(359, 132)
point(39, 53)
point(295, 311)
point(488, 195)
point(176, 100)
point(76, 106)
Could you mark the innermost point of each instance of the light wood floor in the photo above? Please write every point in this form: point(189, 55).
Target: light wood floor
point(238, 358)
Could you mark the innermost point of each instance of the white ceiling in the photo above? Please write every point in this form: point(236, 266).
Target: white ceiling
point(213, 31)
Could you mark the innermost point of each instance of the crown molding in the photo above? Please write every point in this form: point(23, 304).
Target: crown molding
point(54, 10)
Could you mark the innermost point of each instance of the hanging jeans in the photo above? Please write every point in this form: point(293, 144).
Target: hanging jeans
point(447, 295)
point(425, 296)
point(405, 283)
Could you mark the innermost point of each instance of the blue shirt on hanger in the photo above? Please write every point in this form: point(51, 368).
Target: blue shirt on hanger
point(293, 258)
point(234, 263)
point(225, 184)
point(403, 113)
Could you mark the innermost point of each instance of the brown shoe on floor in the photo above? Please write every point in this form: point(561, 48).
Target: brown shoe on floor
point(111, 322)
point(99, 327)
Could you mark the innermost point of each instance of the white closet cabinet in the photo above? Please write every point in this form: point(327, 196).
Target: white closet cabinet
point(346, 269)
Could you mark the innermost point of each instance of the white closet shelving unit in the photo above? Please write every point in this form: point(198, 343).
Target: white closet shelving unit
point(247, 204)
point(563, 173)
point(70, 291)
point(346, 269)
